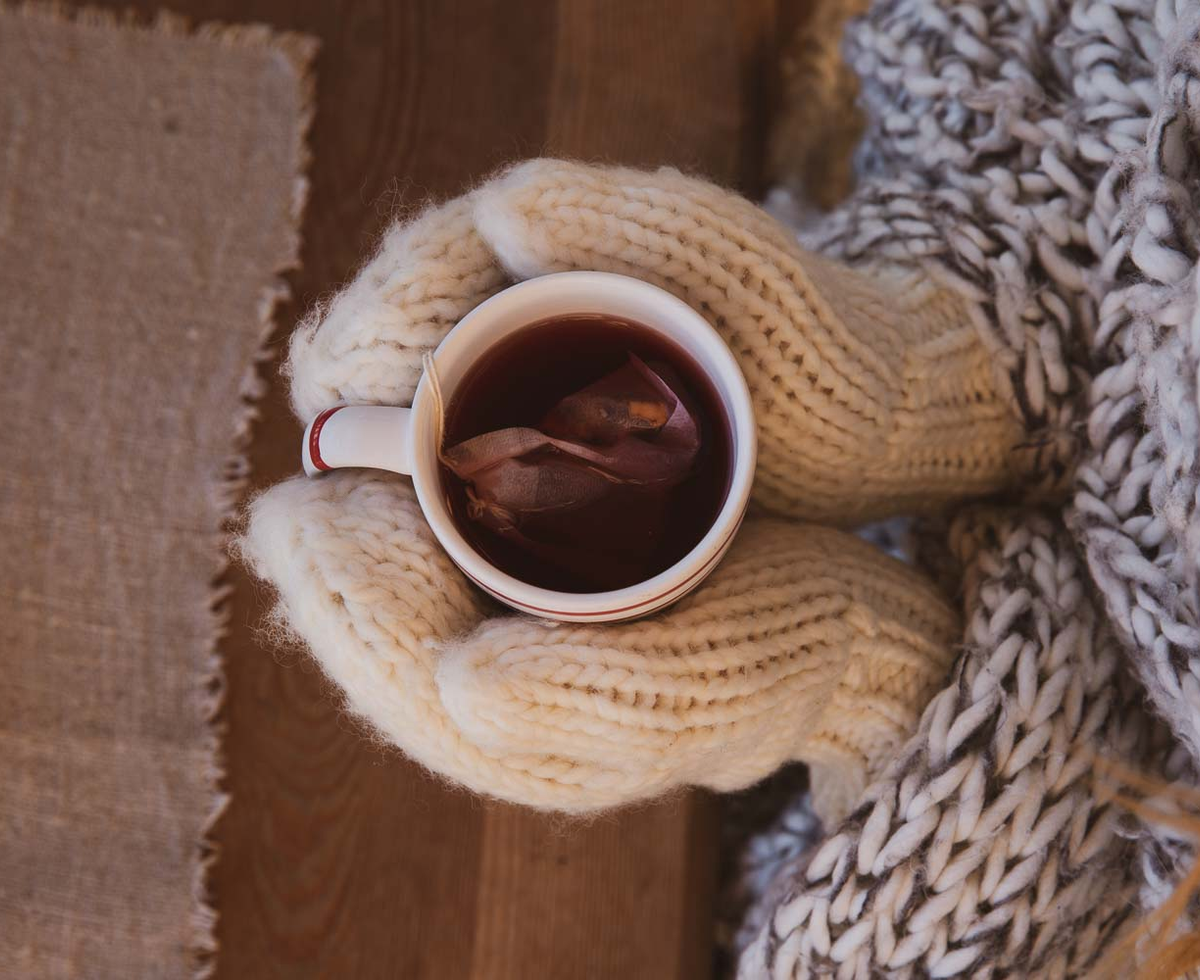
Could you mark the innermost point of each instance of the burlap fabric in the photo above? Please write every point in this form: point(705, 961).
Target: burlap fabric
point(149, 196)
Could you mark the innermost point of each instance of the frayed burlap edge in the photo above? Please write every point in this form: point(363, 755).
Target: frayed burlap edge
point(299, 51)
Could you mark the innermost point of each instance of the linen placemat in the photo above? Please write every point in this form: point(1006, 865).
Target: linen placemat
point(150, 192)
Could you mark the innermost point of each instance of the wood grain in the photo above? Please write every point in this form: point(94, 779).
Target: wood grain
point(573, 895)
point(337, 857)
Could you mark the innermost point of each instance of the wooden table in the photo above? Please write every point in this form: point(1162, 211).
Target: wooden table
point(337, 857)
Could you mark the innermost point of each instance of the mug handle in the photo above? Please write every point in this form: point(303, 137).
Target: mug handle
point(374, 436)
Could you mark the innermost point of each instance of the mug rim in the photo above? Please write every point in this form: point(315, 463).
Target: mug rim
point(673, 582)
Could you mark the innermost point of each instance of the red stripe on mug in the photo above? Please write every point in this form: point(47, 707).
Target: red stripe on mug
point(314, 437)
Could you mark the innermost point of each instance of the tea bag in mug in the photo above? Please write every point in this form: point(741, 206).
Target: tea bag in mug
point(629, 428)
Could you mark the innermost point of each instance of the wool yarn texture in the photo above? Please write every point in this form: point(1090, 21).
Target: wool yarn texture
point(1037, 160)
point(1135, 510)
point(873, 394)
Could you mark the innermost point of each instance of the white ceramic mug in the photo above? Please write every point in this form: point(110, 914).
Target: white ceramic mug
point(404, 440)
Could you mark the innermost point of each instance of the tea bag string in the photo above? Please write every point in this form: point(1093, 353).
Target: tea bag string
point(439, 426)
point(439, 403)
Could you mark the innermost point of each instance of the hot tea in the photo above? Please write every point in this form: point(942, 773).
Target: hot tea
point(585, 453)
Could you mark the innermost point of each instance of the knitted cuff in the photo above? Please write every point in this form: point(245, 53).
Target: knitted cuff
point(801, 632)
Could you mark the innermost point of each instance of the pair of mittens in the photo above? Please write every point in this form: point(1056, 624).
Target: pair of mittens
point(873, 395)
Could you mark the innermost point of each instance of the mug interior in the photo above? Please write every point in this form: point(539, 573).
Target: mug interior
point(596, 293)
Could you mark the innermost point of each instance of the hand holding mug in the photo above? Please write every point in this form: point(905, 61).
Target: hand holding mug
point(406, 440)
point(871, 394)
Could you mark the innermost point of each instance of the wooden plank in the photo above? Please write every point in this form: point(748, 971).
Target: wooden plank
point(337, 857)
point(627, 895)
point(648, 84)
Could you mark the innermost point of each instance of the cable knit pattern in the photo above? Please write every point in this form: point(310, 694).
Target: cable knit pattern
point(806, 643)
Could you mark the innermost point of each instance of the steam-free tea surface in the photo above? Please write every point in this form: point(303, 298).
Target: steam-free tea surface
point(632, 499)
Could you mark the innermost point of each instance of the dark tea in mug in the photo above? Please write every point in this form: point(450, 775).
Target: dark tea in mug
point(585, 453)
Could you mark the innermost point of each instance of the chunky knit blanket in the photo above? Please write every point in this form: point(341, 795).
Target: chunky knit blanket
point(1004, 309)
point(1040, 160)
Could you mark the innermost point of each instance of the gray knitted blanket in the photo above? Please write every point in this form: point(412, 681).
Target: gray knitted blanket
point(1040, 158)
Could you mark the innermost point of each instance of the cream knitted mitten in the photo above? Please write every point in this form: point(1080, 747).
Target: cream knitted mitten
point(873, 396)
point(872, 390)
point(805, 643)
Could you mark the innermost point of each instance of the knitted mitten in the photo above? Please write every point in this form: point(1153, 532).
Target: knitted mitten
point(873, 392)
point(805, 643)
point(872, 396)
